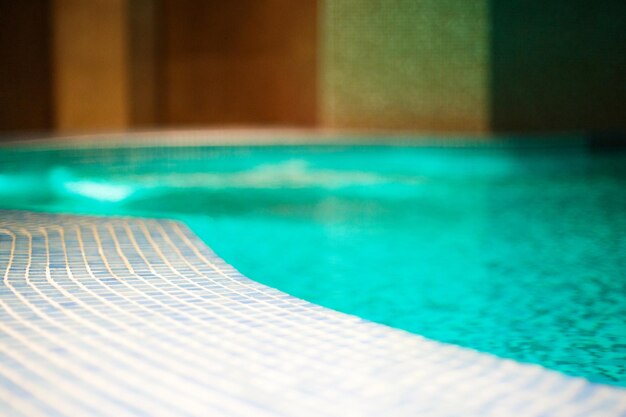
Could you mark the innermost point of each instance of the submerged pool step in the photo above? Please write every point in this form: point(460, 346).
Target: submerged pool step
point(132, 317)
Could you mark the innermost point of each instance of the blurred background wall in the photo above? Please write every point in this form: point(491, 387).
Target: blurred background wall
point(238, 62)
point(557, 65)
point(25, 66)
point(418, 65)
point(405, 64)
point(82, 65)
point(91, 61)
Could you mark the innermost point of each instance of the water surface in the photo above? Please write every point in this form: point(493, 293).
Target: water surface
point(517, 251)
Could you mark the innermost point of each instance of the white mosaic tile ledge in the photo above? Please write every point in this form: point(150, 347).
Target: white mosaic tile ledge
point(132, 317)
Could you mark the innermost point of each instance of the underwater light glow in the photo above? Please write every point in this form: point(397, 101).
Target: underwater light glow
point(100, 191)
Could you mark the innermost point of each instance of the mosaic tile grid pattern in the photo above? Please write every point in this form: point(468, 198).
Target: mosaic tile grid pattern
point(405, 64)
point(133, 317)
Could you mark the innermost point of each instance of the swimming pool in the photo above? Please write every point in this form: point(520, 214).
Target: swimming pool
point(511, 249)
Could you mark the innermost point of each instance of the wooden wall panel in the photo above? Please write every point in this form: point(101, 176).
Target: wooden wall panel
point(90, 64)
point(240, 62)
point(25, 84)
point(143, 35)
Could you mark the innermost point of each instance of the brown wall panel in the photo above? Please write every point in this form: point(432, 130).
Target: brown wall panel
point(25, 84)
point(90, 64)
point(241, 62)
point(143, 35)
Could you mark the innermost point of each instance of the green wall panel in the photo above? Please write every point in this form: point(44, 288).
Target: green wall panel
point(558, 65)
point(405, 64)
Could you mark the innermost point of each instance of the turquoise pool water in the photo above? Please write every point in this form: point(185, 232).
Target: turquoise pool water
point(518, 251)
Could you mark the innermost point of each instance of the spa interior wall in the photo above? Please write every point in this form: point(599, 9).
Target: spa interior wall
point(468, 66)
